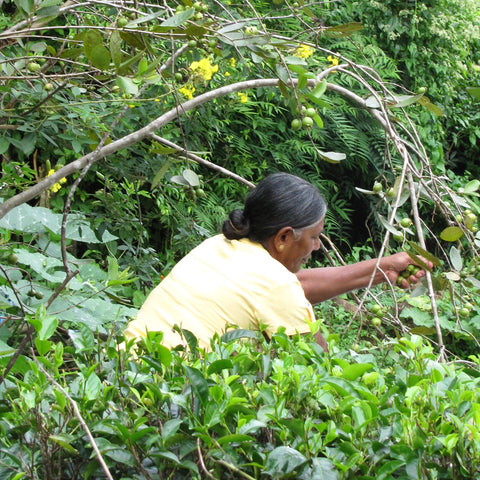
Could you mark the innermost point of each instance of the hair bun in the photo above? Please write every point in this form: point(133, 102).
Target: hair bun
point(237, 226)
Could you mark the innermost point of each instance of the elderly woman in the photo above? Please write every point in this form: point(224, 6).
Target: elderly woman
point(251, 276)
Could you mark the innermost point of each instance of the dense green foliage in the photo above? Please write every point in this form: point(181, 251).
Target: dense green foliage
point(247, 409)
point(371, 101)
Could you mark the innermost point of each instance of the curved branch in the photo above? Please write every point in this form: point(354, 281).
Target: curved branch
point(132, 138)
point(202, 161)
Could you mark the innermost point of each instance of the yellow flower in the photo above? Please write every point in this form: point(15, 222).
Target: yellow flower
point(204, 68)
point(56, 186)
point(233, 62)
point(132, 105)
point(333, 60)
point(243, 97)
point(227, 74)
point(304, 51)
point(187, 91)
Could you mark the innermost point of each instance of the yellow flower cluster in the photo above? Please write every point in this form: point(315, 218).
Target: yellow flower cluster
point(56, 186)
point(332, 60)
point(187, 91)
point(204, 68)
point(243, 97)
point(304, 51)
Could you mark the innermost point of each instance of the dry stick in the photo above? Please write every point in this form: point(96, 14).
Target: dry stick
point(202, 463)
point(431, 292)
point(80, 419)
point(201, 160)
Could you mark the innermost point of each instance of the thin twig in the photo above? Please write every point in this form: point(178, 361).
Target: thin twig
point(80, 419)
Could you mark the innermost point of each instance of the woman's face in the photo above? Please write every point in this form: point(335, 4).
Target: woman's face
point(297, 252)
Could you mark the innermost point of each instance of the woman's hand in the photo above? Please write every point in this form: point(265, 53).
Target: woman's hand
point(395, 265)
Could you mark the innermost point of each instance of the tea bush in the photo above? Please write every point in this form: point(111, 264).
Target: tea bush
point(247, 408)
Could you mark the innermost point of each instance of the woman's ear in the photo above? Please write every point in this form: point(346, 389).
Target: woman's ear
point(283, 239)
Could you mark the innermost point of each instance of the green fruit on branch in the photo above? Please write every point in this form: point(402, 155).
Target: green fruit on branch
point(33, 67)
point(376, 321)
point(122, 22)
point(307, 122)
point(296, 124)
point(405, 222)
point(377, 187)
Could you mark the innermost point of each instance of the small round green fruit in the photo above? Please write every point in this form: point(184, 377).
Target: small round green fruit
point(307, 122)
point(296, 124)
point(33, 67)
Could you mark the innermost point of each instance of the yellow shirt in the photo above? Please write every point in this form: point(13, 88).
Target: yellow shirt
point(223, 282)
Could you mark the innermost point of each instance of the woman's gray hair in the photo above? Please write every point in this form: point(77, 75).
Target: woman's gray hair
point(279, 200)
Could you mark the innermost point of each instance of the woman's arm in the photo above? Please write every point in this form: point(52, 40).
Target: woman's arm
point(320, 284)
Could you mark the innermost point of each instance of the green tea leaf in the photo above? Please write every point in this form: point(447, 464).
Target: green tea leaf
point(198, 382)
point(451, 234)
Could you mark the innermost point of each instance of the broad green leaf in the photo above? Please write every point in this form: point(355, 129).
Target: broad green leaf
point(121, 456)
point(93, 386)
point(219, 365)
point(100, 57)
point(322, 469)
point(252, 426)
point(178, 19)
point(91, 39)
point(42, 346)
point(295, 61)
point(26, 144)
point(127, 85)
point(318, 120)
point(180, 179)
point(142, 66)
point(236, 334)
point(4, 144)
point(332, 157)
point(161, 173)
point(300, 70)
point(403, 100)
point(319, 89)
point(170, 427)
point(116, 48)
point(83, 338)
point(456, 259)
point(191, 177)
point(49, 325)
point(355, 370)
point(51, 11)
point(451, 234)
point(388, 468)
point(424, 253)
point(472, 185)
point(283, 461)
point(135, 40)
point(234, 27)
point(38, 47)
point(387, 225)
point(198, 382)
point(64, 440)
